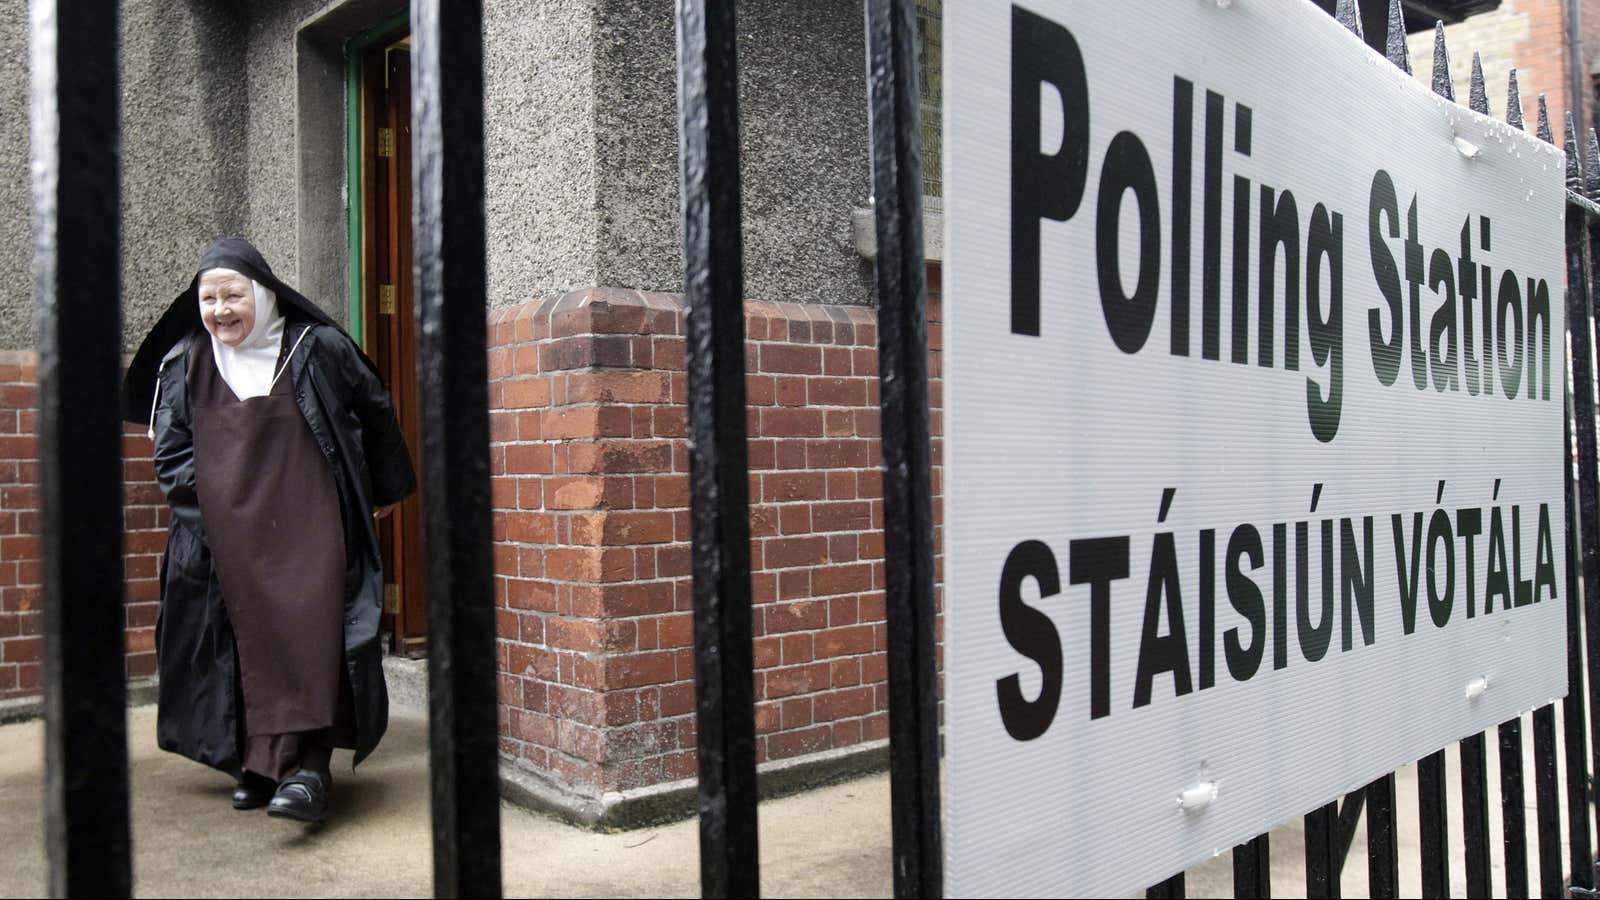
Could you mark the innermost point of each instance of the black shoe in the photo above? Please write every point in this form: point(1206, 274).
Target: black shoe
point(302, 796)
point(252, 791)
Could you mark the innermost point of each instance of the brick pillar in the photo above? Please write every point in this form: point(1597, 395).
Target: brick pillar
point(591, 497)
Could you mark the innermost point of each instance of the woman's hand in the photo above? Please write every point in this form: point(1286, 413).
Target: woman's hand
point(383, 511)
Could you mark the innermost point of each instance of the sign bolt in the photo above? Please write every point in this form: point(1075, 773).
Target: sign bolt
point(1198, 797)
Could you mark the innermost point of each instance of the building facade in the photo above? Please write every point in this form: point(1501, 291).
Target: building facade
point(285, 121)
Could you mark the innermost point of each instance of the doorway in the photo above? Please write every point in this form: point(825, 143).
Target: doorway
point(382, 281)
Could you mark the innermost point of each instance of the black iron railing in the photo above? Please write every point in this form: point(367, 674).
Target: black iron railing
point(894, 108)
point(719, 508)
point(74, 110)
point(453, 375)
point(75, 104)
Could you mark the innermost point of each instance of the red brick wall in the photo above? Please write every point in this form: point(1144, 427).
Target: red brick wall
point(591, 497)
point(144, 516)
point(19, 527)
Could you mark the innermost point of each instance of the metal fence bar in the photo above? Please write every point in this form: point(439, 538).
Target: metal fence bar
point(1578, 397)
point(1587, 188)
point(1171, 889)
point(1252, 868)
point(1474, 752)
point(1383, 859)
point(1394, 39)
point(708, 103)
point(1513, 809)
point(1432, 818)
point(1432, 813)
point(907, 450)
point(1579, 858)
point(1383, 851)
point(1547, 806)
point(1547, 812)
point(1322, 851)
point(1475, 813)
point(1583, 406)
point(76, 150)
point(1348, 13)
point(1349, 820)
point(453, 368)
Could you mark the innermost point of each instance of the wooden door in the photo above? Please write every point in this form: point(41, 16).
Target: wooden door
point(390, 326)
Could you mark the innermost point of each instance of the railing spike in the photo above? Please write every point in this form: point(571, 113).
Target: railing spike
point(1513, 102)
point(1542, 129)
point(1395, 44)
point(1591, 176)
point(1442, 83)
point(1569, 143)
point(1478, 93)
point(1348, 12)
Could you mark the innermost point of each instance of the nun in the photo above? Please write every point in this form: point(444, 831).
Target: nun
point(277, 447)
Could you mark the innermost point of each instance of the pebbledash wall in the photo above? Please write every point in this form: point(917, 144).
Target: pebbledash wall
point(590, 495)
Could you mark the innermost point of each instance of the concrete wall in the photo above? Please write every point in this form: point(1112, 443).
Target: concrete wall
point(581, 146)
point(804, 136)
point(273, 180)
point(581, 155)
point(539, 137)
point(182, 150)
point(16, 241)
point(538, 146)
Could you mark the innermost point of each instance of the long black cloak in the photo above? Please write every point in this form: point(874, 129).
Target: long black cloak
point(352, 418)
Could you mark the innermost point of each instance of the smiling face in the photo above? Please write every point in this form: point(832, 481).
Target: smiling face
point(227, 306)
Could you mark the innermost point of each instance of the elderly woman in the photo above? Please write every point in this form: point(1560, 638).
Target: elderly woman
point(274, 442)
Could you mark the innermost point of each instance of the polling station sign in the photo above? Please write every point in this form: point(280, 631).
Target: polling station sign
point(1255, 430)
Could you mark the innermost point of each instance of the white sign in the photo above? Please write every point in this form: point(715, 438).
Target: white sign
point(1255, 371)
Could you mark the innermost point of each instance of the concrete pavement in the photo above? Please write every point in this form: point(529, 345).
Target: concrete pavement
point(188, 840)
point(830, 842)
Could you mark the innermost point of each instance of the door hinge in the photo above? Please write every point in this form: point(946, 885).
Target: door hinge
point(386, 142)
point(386, 299)
point(391, 598)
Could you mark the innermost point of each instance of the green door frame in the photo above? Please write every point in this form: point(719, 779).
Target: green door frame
point(388, 28)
